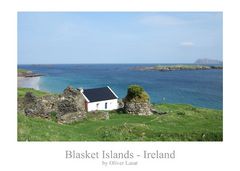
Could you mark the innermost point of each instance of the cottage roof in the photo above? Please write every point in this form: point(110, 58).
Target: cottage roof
point(99, 94)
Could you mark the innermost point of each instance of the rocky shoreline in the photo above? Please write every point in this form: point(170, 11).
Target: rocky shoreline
point(28, 79)
point(26, 73)
point(175, 67)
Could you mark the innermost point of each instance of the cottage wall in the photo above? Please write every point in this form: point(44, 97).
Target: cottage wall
point(111, 105)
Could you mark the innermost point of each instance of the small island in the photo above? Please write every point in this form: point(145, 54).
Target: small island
point(174, 67)
point(27, 73)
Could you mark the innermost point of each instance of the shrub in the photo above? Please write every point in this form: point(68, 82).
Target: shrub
point(53, 116)
point(144, 96)
point(137, 92)
point(180, 112)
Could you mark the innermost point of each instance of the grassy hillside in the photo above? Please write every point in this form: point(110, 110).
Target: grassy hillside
point(22, 92)
point(181, 123)
point(22, 71)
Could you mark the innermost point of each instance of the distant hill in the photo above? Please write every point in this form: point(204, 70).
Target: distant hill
point(208, 61)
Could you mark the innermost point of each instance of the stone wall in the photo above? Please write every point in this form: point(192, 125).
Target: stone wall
point(137, 101)
point(41, 106)
point(138, 108)
point(69, 106)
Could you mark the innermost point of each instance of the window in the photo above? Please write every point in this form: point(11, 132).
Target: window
point(105, 105)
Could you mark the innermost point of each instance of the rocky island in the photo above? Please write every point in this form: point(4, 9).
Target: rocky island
point(26, 73)
point(175, 67)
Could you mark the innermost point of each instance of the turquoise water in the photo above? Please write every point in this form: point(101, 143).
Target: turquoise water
point(203, 88)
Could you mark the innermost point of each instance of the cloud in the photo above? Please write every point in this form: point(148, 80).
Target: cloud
point(187, 44)
point(161, 20)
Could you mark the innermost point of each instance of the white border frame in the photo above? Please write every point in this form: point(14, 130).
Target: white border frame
point(50, 155)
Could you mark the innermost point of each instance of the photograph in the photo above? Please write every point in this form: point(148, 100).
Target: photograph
point(119, 76)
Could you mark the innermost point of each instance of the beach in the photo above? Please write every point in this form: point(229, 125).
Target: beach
point(28, 82)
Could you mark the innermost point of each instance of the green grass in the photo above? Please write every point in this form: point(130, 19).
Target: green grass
point(22, 92)
point(22, 71)
point(181, 123)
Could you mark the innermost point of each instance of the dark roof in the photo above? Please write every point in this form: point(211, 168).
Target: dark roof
point(99, 94)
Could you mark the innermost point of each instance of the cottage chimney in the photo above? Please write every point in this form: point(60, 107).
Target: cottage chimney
point(80, 89)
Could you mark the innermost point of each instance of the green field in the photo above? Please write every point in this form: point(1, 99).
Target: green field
point(22, 71)
point(22, 91)
point(181, 123)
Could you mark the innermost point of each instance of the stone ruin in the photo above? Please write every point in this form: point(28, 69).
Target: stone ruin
point(69, 106)
point(66, 108)
point(137, 101)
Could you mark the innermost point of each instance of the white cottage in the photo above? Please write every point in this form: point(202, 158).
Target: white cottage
point(100, 99)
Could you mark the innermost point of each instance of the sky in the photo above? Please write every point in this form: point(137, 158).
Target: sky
point(118, 37)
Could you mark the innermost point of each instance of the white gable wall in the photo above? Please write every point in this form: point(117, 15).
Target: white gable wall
point(111, 105)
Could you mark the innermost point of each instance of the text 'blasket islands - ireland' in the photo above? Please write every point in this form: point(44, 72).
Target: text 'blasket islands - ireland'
point(72, 154)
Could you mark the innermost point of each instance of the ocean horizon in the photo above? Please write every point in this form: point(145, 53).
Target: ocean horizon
point(201, 88)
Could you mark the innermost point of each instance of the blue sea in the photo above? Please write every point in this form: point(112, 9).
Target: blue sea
point(202, 88)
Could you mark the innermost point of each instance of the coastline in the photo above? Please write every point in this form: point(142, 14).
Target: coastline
point(175, 67)
point(201, 88)
point(29, 82)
